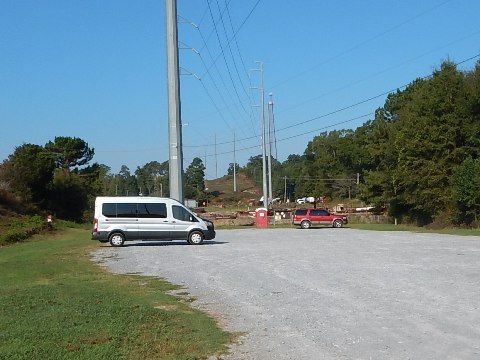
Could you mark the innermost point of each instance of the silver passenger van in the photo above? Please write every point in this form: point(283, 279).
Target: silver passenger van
point(120, 219)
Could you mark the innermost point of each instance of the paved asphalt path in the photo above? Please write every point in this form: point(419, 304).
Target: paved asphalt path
point(326, 293)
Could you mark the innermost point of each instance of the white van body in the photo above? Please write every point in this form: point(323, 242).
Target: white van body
point(120, 219)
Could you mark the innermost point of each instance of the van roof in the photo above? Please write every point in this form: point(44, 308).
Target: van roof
point(133, 199)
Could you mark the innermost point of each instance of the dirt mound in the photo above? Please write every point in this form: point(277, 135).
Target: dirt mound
point(221, 190)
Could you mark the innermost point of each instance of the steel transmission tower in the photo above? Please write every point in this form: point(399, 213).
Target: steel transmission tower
point(174, 119)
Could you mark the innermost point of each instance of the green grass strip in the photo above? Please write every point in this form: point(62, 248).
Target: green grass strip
point(56, 304)
point(392, 227)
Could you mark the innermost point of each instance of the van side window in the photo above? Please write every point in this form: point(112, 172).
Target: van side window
point(180, 213)
point(127, 210)
point(152, 210)
point(109, 210)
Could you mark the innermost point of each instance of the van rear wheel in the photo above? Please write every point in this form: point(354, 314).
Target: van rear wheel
point(117, 239)
point(195, 238)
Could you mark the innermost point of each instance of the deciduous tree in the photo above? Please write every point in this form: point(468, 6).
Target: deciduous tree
point(28, 172)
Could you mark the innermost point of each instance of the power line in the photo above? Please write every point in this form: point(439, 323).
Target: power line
point(293, 136)
point(199, 53)
point(212, 79)
point(382, 71)
point(343, 108)
point(298, 135)
point(236, 32)
point(341, 122)
point(249, 95)
point(223, 52)
point(317, 179)
point(375, 37)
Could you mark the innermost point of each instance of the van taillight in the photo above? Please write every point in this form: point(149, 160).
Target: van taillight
point(95, 225)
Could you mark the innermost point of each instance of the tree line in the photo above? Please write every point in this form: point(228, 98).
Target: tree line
point(58, 178)
point(418, 159)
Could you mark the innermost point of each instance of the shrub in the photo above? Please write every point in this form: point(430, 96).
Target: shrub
point(22, 228)
point(10, 202)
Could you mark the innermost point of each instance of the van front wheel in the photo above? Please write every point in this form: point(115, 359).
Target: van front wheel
point(195, 238)
point(117, 239)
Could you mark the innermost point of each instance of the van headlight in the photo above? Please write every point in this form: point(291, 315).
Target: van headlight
point(208, 222)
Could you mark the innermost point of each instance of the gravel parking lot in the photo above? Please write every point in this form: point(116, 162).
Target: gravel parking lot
point(326, 293)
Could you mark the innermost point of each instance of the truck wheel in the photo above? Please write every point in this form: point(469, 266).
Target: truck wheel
point(195, 238)
point(337, 223)
point(305, 224)
point(117, 239)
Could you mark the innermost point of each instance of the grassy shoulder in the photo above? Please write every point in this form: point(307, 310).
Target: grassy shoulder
point(373, 227)
point(362, 226)
point(56, 304)
point(413, 228)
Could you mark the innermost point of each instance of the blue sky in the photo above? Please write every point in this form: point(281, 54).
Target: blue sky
point(97, 70)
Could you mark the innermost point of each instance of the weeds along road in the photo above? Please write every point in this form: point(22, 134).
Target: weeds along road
point(327, 293)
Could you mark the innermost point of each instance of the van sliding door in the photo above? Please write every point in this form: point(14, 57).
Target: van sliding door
point(125, 215)
point(153, 222)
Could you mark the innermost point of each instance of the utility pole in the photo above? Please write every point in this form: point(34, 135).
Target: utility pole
point(205, 164)
point(216, 163)
point(174, 119)
point(262, 115)
point(269, 147)
point(234, 166)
